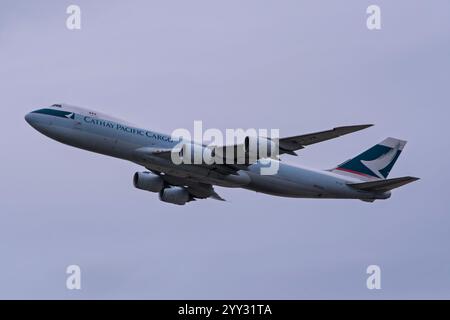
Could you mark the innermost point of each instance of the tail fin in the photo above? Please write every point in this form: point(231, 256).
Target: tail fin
point(374, 163)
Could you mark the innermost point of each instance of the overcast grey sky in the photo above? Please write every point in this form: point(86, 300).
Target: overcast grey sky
point(299, 66)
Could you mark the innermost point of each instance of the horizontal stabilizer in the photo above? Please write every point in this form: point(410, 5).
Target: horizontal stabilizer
point(383, 185)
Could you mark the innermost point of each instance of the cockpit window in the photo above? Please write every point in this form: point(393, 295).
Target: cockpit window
point(57, 105)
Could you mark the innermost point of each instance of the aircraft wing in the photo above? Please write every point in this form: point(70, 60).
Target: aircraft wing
point(290, 144)
point(160, 152)
point(145, 153)
point(197, 189)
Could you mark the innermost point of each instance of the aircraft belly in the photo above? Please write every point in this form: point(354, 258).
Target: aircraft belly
point(275, 185)
point(298, 182)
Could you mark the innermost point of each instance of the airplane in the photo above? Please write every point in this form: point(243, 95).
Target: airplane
point(364, 177)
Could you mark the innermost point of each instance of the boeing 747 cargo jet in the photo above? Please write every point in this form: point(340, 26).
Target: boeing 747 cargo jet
point(363, 177)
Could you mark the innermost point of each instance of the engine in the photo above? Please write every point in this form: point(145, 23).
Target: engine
point(252, 149)
point(175, 195)
point(260, 147)
point(148, 181)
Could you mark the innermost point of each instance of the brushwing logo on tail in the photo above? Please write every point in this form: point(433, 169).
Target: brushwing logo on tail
point(70, 115)
point(382, 162)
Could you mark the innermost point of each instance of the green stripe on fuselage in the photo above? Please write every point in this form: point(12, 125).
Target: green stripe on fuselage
point(56, 113)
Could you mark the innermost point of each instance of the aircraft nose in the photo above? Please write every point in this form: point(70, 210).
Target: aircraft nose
point(28, 118)
point(32, 119)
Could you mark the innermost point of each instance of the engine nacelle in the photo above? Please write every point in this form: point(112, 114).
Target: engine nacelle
point(148, 181)
point(175, 195)
point(260, 147)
